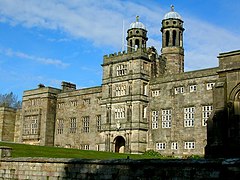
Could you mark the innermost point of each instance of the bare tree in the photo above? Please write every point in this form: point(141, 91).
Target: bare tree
point(9, 100)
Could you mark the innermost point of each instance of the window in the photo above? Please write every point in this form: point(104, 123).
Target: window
point(166, 118)
point(179, 90)
point(34, 125)
point(60, 105)
point(60, 125)
point(85, 124)
point(120, 89)
point(154, 119)
point(145, 90)
point(174, 145)
point(161, 146)
point(167, 38)
point(98, 122)
point(145, 66)
point(86, 101)
point(145, 112)
point(31, 125)
point(73, 103)
point(193, 88)
point(155, 93)
point(189, 145)
point(26, 129)
point(73, 125)
point(206, 112)
point(120, 113)
point(121, 70)
point(189, 116)
point(85, 146)
point(210, 86)
point(174, 36)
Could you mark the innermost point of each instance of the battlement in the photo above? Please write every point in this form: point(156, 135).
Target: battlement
point(120, 53)
point(123, 56)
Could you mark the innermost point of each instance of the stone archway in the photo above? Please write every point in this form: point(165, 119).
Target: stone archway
point(234, 116)
point(119, 142)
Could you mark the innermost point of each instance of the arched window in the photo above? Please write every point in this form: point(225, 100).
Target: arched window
point(136, 44)
point(174, 37)
point(167, 38)
point(179, 39)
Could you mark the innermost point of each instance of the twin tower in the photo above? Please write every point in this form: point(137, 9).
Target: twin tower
point(172, 40)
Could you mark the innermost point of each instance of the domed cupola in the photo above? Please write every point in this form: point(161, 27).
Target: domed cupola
point(172, 14)
point(172, 41)
point(137, 24)
point(137, 36)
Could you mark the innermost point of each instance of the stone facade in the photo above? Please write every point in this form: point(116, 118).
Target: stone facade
point(7, 123)
point(146, 101)
point(224, 125)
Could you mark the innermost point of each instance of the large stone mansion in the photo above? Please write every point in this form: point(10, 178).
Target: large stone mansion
point(146, 101)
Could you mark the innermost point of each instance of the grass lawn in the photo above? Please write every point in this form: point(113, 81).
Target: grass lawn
point(24, 150)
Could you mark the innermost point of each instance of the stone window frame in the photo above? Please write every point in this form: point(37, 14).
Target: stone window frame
point(85, 124)
point(206, 112)
point(145, 88)
point(174, 145)
point(145, 112)
point(161, 146)
point(193, 88)
point(121, 69)
point(210, 85)
point(60, 105)
point(189, 145)
point(31, 125)
point(120, 89)
point(155, 93)
point(120, 113)
point(60, 126)
point(85, 146)
point(86, 101)
point(98, 123)
point(189, 116)
point(73, 125)
point(73, 103)
point(166, 118)
point(155, 116)
point(179, 90)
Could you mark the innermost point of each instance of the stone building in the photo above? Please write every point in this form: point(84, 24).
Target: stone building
point(146, 101)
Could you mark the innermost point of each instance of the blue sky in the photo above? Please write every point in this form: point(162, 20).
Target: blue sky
point(64, 40)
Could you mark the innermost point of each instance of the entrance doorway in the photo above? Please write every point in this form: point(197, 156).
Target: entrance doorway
point(119, 144)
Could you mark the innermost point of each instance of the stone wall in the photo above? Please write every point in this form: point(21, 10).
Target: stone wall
point(45, 168)
point(7, 123)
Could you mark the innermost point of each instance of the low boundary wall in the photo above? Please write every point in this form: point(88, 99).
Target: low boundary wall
point(57, 168)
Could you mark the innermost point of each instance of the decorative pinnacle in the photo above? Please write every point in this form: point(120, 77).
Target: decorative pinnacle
point(137, 18)
point(172, 7)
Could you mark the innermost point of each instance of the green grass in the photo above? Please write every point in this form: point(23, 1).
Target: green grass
point(24, 150)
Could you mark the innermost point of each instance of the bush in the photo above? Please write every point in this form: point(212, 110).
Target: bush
point(152, 153)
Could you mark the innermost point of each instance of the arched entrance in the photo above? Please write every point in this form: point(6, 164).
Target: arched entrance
point(234, 116)
point(119, 144)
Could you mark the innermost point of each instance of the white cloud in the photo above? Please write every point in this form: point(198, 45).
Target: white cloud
point(42, 60)
point(204, 41)
point(101, 23)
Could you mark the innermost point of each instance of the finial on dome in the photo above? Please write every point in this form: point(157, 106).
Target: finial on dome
point(137, 18)
point(172, 8)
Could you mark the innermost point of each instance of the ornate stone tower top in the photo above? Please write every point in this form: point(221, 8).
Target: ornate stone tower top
point(172, 42)
point(137, 36)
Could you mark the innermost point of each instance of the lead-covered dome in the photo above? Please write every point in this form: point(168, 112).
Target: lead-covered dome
point(172, 14)
point(137, 24)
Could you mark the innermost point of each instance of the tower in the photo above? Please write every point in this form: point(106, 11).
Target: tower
point(172, 42)
point(125, 87)
point(137, 36)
